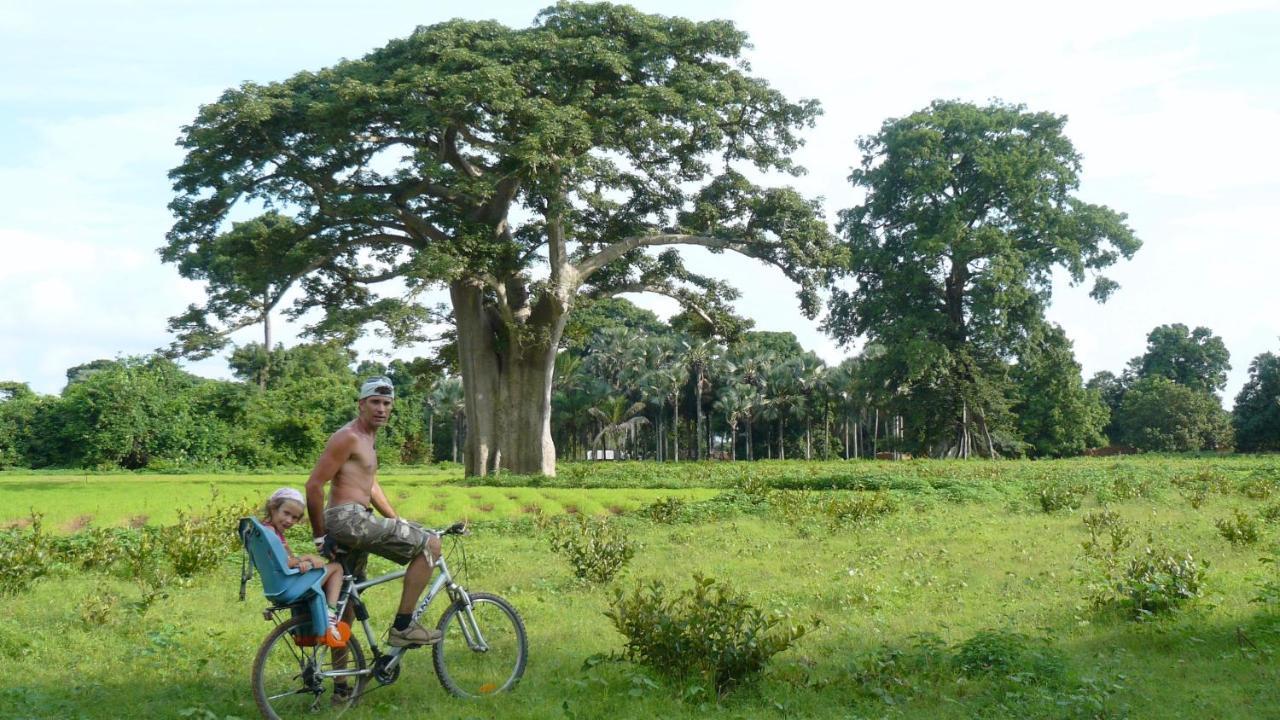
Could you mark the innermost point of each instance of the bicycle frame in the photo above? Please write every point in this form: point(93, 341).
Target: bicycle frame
point(444, 581)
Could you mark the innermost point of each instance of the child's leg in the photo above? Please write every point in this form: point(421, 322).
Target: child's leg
point(332, 582)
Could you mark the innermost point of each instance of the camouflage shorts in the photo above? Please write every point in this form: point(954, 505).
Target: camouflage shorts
point(356, 528)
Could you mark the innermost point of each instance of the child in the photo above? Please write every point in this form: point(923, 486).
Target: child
point(283, 510)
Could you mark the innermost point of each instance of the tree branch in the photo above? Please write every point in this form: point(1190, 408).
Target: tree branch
point(666, 290)
point(591, 264)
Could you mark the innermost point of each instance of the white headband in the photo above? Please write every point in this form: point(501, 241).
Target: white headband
point(288, 494)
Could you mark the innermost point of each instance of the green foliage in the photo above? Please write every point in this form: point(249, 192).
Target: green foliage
point(1239, 529)
point(597, 548)
point(1108, 535)
point(707, 634)
point(1268, 592)
point(1060, 496)
point(859, 508)
point(24, 556)
point(1258, 487)
point(1159, 414)
point(1195, 359)
point(1256, 417)
point(665, 510)
point(968, 212)
point(1055, 414)
point(197, 543)
point(1005, 653)
point(1156, 582)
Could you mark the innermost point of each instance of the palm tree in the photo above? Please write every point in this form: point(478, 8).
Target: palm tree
point(618, 421)
point(737, 401)
point(702, 356)
point(669, 374)
point(447, 395)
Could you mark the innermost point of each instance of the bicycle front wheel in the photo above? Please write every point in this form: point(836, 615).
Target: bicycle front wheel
point(293, 681)
point(484, 648)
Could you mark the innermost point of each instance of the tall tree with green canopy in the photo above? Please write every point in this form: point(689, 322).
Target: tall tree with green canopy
point(969, 210)
point(1257, 413)
point(1056, 414)
point(1196, 358)
point(518, 168)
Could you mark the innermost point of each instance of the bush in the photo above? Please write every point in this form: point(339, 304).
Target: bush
point(862, 507)
point(665, 510)
point(24, 557)
point(198, 543)
point(1258, 487)
point(1108, 535)
point(1156, 582)
point(708, 633)
point(1241, 529)
point(595, 547)
point(1058, 496)
point(1003, 653)
point(894, 674)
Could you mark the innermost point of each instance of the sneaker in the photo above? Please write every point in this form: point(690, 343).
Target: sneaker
point(413, 635)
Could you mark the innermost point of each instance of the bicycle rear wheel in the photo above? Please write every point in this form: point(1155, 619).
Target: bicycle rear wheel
point(286, 676)
point(484, 651)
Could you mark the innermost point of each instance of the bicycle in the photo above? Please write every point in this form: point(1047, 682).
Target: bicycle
point(483, 650)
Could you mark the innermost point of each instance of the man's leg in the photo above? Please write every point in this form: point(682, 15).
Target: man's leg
point(417, 575)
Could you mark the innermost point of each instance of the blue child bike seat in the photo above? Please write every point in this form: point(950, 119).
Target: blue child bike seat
point(282, 584)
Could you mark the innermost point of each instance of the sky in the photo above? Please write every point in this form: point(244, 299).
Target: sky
point(1175, 110)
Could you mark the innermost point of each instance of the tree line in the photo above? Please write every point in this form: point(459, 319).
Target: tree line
point(537, 173)
point(634, 386)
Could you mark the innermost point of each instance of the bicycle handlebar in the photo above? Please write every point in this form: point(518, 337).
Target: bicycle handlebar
point(458, 528)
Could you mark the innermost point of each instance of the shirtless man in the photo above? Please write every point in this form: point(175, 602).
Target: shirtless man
point(349, 461)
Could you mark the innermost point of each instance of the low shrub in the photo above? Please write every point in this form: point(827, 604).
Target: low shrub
point(1058, 496)
point(197, 543)
point(1195, 495)
point(1158, 581)
point(597, 548)
point(1271, 513)
point(1258, 487)
point(1108, 535)
point(665, 510)
point(708, 633)
point(24, 556)
point(1240, 529)
point(842, 512)
point(895, 674)
point(1007, 654)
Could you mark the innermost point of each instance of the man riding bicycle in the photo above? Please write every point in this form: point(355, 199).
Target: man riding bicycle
point(351, 464)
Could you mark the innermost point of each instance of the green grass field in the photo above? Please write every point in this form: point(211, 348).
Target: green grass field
point(888, 601)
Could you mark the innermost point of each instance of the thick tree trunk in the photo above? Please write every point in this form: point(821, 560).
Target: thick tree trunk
point(506, 378)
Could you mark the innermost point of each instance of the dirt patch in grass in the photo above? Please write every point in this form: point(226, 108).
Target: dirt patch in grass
point(78, 523)
point(19, 524)
point(531, 509)
point(571, 509)
point(138, 521)
point(438, 507)
point(403, 495)
point(616, 509)
point(485, 507)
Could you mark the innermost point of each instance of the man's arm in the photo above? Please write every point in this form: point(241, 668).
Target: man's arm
point(379, 500)
point(336, 452)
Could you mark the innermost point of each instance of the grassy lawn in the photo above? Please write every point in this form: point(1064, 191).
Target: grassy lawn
point(890, 602)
